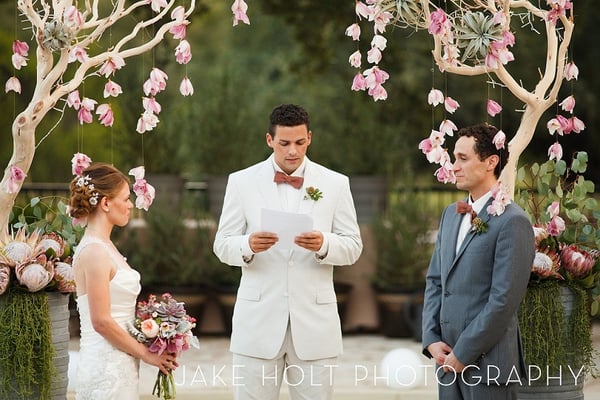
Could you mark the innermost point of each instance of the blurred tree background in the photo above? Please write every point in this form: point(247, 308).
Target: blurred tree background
point(292, 52)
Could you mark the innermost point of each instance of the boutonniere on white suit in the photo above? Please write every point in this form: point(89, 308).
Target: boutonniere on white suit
point(313, 193)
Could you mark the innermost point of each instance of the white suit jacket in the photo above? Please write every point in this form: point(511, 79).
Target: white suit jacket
point(281, 286)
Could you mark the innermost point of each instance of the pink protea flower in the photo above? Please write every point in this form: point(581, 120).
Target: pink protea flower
point(576, 261)
point(546, 264)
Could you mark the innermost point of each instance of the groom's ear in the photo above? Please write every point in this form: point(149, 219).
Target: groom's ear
point(269, 140)
point(492, 161)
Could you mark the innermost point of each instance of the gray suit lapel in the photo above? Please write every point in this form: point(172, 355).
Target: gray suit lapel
point(485, 217)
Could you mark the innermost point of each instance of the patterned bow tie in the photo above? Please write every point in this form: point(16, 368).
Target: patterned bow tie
point(295, 181)
point(462, 207)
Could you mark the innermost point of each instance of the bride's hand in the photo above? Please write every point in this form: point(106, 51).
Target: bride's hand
point(165, 362)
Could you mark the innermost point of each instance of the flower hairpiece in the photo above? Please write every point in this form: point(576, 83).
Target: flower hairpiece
point(313, 193)
point(85, 181)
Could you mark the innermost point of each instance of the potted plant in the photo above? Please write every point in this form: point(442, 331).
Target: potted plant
point(404, 246)
point(36, 279)
point(554, 317)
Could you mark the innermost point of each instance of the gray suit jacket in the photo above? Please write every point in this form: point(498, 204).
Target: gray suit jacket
point(472, 298)
point(282, 286)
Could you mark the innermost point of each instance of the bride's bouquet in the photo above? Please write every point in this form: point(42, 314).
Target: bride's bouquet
point(163, 325)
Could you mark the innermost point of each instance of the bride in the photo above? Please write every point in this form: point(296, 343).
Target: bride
point(107, 289)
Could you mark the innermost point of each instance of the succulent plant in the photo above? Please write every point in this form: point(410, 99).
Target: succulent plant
point(475, 34)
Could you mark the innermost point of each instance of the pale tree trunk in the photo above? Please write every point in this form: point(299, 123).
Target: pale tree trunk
point(51, 84)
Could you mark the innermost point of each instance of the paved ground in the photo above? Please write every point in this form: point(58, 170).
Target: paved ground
point(206, 373)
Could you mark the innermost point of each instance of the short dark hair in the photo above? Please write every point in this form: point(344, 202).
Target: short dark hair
point(484, 144)
point(288, 115)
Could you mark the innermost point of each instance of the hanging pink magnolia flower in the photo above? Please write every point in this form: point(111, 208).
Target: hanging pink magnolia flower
point(568, 104)
point(13, 84)
point(576, 124)
point(363, 11)
point(375, 76)
point(359, 82)
point(379, 41)
point(381, 20)
point(501, 200)
point(183, 52)
point(143, 190)
point(146, 122)
point(18, 61)
point(553, 209)
point(79, 162)
point(239, 9)
point(17, 176)
point(374, 55)
point(105, 114)
point(353, 31)
point(448, 127)
point(499, 139)
point(85, 111)
point(73, 18)
point(178, 14)
point(438, 22)
point(112, 89)
point(355, 59)
point(435, 97)
point(559, 125)
point(493, 108)
point(156, 5)
point(555, 152)
point(20, 48)
point(73, 99)
point(450, 104)
point(571, 71)
point(156, 83)
point(151, 105)
point(179, 31)
point(378, 92)
point(445, 173)
point(185, 87)
point(113, 63)
point(79, 54)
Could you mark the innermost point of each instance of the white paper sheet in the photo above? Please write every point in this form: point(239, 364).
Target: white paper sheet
point(286, 225)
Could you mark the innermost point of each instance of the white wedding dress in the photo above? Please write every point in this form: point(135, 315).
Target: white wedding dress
point(105, 372)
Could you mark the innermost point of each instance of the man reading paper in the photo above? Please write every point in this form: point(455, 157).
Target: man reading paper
point(285, 323)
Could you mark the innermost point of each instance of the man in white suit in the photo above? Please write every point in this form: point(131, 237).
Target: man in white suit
point(286, 326)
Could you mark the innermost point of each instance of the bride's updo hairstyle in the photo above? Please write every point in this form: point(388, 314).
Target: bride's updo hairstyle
point(95, 182)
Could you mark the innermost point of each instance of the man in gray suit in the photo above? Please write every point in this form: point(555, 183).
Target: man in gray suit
point(477, 277)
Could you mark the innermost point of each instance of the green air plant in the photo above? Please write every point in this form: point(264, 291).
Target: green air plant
point(476, 34)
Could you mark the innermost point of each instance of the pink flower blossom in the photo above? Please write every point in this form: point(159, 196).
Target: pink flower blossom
point(499, 139)
point(576, 124)
point(493, 108)
point(363, 11)
point(112, 89)
point(183, 52)
point(179, 31)
point(353, 31)
point(378, 92)
point(571, 71)
point(553, 209)
point(381, 20)
point(79, 162)
point(84, 115)
point(73, 18)
point(73, 99)
point(556, 226)
point(438, 22)
point(425, 145)
point(17, 176)
point(435, 97)
point(149, 328)
point(375, 76)
point(151, 105)
point(359, 82)
point(568, 104)
point(156, 5)
point(437, 154)
point(178, 14)
point(146, 122)
point(559, 125)
point(114, 62)
point(501, 200)
point(374, 55)
point(445, 173)
point(105, 114)
point(555, 151)
point(450, 104)
point(185, 87)
point(355, 59)
point(20, 48)
point(18, 61)
point(239, 9)
point(576, 261)
point(13, 84)
point(448, 127)
point(79, 54)
point(143, 190)
point(159, 78)
point(379, 41)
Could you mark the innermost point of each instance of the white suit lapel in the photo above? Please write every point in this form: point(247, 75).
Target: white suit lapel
point(267, 187)
point(311, 178)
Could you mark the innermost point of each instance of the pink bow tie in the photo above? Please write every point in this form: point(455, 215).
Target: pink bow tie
point(462, 207)
point(295, 181)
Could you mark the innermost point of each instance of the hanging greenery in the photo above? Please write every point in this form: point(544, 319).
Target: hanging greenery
point(26, 350)
point(548, 343)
